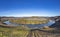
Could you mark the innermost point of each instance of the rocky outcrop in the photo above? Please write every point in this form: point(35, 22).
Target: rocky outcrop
point(56, 24)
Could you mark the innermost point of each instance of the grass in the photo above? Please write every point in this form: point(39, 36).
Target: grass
point(18, 32)
point(13, 32)
point(24, 21)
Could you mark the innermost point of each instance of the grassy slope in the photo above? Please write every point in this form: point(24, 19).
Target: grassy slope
point(13, 32)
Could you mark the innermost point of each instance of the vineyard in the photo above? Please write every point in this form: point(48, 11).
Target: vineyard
point(13, 32)
point(24, 31)
point(29, 21)
point(18, 32)
point(39, 33)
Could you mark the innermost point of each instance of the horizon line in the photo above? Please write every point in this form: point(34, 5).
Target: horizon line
point(27, 16)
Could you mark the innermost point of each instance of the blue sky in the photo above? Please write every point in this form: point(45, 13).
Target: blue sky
point(29, 8)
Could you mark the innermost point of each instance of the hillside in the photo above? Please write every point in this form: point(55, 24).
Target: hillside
point(26, 20)
point(57, 23)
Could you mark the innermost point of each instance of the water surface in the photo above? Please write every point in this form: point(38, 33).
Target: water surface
point(31, 25)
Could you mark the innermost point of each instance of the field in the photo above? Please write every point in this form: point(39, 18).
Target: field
point(18, 32)
point(13, 32)
point(29, 21)
point(41, 33)
point(24, 31)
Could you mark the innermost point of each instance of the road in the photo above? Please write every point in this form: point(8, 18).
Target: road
point(39, 33)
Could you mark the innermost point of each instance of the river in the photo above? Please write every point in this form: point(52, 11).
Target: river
point(8, 23)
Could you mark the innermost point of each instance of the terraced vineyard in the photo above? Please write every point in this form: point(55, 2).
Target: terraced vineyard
point(39, 33)
point(24, 31)
point(13, 32)
point(16, 32)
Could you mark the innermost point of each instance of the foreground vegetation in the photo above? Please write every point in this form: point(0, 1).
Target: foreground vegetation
point(13, 32)
point(23, 32)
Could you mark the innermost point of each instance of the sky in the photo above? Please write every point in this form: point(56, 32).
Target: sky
point(21, 8)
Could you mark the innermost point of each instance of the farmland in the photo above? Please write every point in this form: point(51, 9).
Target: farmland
point(13, 32)
point(24, 31)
